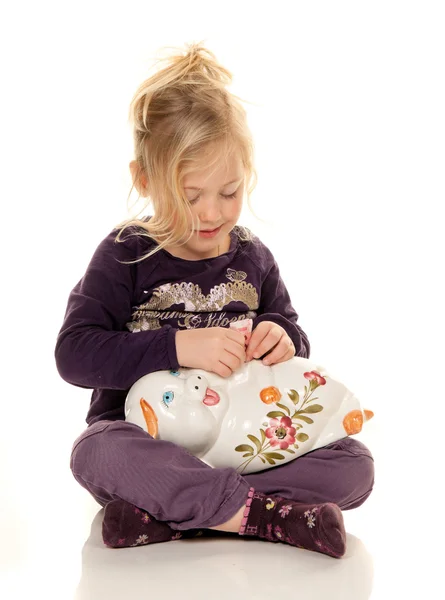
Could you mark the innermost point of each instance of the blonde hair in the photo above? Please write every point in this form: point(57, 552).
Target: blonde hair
point(183, 117)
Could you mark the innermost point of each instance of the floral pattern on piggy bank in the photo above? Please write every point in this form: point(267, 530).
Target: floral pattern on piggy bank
point(259, 417)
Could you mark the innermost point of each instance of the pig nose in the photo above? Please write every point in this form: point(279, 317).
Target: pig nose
point(196, 384)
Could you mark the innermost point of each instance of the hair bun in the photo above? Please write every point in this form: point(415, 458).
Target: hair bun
point(184, 75)
point(198, 65)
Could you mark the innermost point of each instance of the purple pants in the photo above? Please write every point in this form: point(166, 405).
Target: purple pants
point(116, 459)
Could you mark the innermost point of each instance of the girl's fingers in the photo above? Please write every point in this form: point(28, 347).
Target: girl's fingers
point(284, 350)
point(238, 351)
point(236, 336)
point(270, 342)
point(232, 357)
point(223, 370)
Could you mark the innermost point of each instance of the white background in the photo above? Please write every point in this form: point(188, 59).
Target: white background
point(348, 119)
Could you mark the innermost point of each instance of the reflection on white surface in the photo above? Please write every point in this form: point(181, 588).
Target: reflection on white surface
point(221, 567)
point(51, 542)
point(51, 538)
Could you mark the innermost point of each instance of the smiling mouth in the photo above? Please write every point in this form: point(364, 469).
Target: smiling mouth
point(211, 397)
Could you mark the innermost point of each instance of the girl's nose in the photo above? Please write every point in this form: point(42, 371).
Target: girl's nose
point(210, 212)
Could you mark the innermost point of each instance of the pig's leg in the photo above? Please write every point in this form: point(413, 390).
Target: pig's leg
point(341, 473)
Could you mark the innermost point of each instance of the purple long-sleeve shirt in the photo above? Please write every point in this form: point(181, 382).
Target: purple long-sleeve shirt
point(121, 320)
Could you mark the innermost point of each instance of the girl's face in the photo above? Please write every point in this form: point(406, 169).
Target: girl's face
point(216, 198)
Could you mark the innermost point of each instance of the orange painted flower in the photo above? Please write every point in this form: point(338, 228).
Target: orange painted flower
point(353, 422)
point(270, 394)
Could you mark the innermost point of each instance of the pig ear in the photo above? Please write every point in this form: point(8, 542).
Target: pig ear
point(368, 414)
point(150, 418)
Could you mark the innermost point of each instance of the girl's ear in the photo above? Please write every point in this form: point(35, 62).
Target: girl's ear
point(139, 178)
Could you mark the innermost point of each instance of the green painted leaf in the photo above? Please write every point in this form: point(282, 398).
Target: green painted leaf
point(261, 458)
point(302, 437)
point(294, 396)
point(303, 418)
point(275, 414)
point(284, 407)
point(315, 408)
point(263, 436)
point(244, 448)
point(289, 450)
point(256, 441)
point(265, 424)
point(270, 460)
point(276, 455)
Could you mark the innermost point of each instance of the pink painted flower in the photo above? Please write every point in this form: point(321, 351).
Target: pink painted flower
point(281, 432)
point(311, 375)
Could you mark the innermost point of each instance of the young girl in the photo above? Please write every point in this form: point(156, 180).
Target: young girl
point(160, 293)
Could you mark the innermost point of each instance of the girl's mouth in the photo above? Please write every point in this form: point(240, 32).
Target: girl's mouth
point(209, 234)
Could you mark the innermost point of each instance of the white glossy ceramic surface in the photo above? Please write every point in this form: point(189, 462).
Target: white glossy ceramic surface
point(259, 417)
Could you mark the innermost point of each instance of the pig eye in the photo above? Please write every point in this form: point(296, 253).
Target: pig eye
point(167, 398)
point(175, 373)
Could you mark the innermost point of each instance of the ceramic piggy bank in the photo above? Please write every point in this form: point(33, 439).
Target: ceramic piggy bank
point(258, 417)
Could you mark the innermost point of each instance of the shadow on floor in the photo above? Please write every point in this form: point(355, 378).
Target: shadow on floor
point(221, 566)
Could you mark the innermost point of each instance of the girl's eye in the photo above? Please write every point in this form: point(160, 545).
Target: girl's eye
point(228, 196)
point(175, 373)
point(167, 398)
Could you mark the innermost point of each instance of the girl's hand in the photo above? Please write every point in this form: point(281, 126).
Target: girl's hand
point(216, 349)
point(270, 337)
